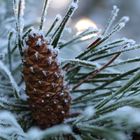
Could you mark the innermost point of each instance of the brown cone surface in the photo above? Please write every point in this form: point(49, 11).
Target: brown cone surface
point(48, 96)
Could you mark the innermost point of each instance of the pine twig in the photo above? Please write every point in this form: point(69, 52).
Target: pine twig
point(43, 14)
point(56, 20)
point(9, 51)
point(19, 10)
point(59, 31)
point(94, 73)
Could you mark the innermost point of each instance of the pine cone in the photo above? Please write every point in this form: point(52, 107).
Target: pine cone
point(49, 98)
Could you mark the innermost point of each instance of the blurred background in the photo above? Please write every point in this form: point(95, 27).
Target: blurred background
point(98, 11)
point(90, 13)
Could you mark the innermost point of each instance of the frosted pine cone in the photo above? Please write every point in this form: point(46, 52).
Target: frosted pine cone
point(48, 96)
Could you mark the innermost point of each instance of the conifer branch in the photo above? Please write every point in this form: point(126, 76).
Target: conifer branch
point(94, 73)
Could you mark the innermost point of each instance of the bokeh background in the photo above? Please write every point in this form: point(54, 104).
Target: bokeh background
point(98, 11)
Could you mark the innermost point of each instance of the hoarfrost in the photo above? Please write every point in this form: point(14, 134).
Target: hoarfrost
point(58, 17)
point(39, 42)
point(19, 6)
point(8, 118)
point(89, 112)
point(123, 22)
point(36, 55)
point(45, 73)
point(32, 69)
point(125, 19)
point(112, 19)
point(50, 47)
point(9, 127)
point(20, 3)
point(36, 32)
point(12, 80)
point(128, 114)
point(74, 4)
point(36, 134)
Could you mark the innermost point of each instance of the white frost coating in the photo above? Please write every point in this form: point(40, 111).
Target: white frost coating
point(12, 80)
point(125, 19)
point(45, 73)
point(37, 55)
point(49, 60)
point(121, 25)
point(39, 42)
point(89, 112)
point(37, 32)
point(115, 8)
point(63, 112)
point(58, 17)
point(25, 44)
point(61, 94)
point(50, 47)
point(114, 12)
point(74, 4)
point(22, 7)
point(40, 82)
point(19, 7)
point(69, 30)
point(36, 134)
point(112, 19)
point(9, 118)
point(126, 114)
point(16, 7)
point(32, 69)
point(131, 41)
point(123, 22)
point(81, 62)
point(56, 50)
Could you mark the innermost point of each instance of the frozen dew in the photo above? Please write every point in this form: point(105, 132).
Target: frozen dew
point(63, 112)
point(126, 114)
point(66, 101)
point(37, 134)
point(125, 19)
point(42, 101)
point(35, 32)
point(54, 102)
point(44, 73)
point(112, 19)
point(89, 112)
point(16, 7)
point(6, 116)
point(115, 10)
point(74, 4)
point(35, 89)
point(56, 50)
point(58, 17)
point(49, 60)
point(50, 47)
point(122, 22)
point(37, 55)
point(40, 82)
point(19, 6)
point(32, 69)
point(39, 42)
point(61, 94)
point(47, 95)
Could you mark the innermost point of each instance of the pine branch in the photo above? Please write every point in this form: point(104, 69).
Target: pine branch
point(56, 36)
point(94, 73)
